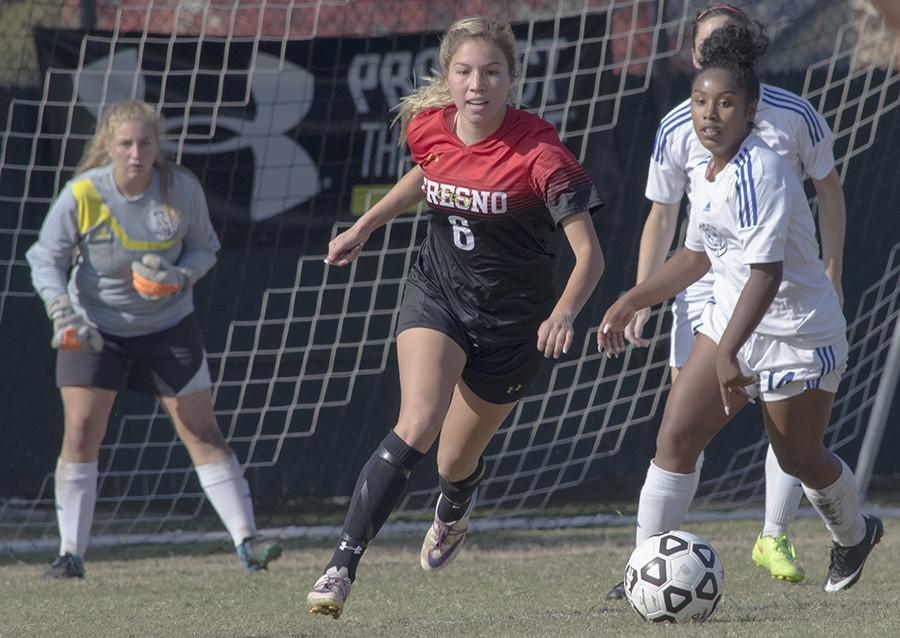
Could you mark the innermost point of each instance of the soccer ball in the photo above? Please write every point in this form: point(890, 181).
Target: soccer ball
point(674, 577)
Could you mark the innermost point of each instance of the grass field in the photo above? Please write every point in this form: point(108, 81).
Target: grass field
point(516, 584)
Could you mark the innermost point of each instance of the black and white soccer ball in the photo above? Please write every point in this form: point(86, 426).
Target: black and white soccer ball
point(674, 577)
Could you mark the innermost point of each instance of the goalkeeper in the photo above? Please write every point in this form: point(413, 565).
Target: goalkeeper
point(115, 263)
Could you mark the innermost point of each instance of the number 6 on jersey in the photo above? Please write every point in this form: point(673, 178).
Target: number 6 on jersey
point(463, 236)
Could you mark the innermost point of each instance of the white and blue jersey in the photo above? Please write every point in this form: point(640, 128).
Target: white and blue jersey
point(786, 122)
point(754, 212)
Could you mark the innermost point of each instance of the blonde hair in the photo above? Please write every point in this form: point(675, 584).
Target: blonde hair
point(435, 92)
point(96, 152)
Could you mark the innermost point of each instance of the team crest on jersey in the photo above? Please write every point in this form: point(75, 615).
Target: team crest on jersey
point(714, 241)
point(162, 225)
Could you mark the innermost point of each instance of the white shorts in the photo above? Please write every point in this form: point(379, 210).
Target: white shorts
point(687, 309)
point(782, 370)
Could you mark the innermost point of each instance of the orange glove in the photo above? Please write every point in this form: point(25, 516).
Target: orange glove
point(155, 278)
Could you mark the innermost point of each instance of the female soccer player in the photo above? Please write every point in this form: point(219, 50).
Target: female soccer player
point(139, 231)
point(479, 309)
point(774, 325)
point(792, 127)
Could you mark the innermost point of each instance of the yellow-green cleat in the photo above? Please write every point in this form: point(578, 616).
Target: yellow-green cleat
point(777, 555)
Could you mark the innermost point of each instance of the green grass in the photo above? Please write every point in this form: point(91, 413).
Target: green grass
point(516, 584)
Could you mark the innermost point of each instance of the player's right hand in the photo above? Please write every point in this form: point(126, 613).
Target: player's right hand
point(344, 248)
point(733, 383)
point(611, 331)
point(636, 326)
point(70, 331)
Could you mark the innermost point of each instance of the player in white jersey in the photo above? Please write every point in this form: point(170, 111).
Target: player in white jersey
point(139, 233)
point(793, 128)
point(775, 327)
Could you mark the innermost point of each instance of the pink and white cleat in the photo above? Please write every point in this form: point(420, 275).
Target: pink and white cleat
point(444, 540)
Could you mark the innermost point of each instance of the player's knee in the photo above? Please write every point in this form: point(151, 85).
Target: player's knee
point(801, 463)
point(418, 430)
point(677, 444)
point(452, 461)
point(83, 433)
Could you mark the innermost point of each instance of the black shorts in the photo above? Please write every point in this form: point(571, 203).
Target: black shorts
point(168, 363)
point(497, 373)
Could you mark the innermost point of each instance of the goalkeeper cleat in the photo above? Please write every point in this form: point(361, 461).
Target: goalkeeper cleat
point(256, 554)
point(329, 593)
point(847, 562)
point(617, 592)
point(444, 540)
point(66, 566)
point(777, 555)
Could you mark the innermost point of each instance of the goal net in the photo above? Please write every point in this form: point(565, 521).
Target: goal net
point(282, 109)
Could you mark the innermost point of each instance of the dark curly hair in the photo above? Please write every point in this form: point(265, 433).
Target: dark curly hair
point(736, 48)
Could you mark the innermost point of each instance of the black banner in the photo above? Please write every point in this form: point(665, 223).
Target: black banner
point(298, 130)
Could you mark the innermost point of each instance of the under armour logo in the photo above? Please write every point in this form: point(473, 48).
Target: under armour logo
point(282, 94)
point(344, 547)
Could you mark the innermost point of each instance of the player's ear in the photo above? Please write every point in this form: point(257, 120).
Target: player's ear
point(751, 111)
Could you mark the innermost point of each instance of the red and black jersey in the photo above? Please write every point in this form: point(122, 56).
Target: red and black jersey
point(494, 209)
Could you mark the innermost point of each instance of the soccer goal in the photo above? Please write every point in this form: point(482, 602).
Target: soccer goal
point(282, 109)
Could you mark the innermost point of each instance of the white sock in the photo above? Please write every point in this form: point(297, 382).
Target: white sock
point(228, 491)
point(75, 487)
point(697, 469)
point(783, 494)
point(838, 505)
point(665, 499)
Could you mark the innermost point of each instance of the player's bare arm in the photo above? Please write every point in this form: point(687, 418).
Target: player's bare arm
point(405, 194)
point(555, 334)
point(832, 228)
point(755, 299)
point(656, 239)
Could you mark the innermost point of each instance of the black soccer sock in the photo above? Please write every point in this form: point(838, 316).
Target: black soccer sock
point(458, 494)
point(377, 491)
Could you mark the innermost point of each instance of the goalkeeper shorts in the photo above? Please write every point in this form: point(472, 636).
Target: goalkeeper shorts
point(168, 363)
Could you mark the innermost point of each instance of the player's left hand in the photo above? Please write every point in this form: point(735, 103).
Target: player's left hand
point(555, 335)
point(155, 278)
point(732, 382)
point(611, 331)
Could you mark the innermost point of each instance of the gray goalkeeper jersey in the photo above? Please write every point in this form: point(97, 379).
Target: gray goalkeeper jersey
point(94, 225)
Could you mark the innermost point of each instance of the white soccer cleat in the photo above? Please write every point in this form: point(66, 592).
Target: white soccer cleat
point(444, 540)
point(329, 593)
